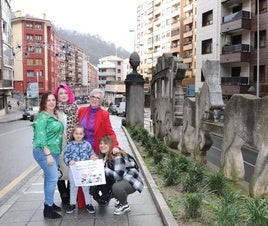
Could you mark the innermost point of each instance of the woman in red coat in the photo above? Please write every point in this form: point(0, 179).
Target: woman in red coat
point(96, 120)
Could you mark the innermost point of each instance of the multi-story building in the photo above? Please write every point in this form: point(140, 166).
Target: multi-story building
point(111, 77)
point(6, 77)
point(239, 42)
point(230, 31)
point(36, 68)
point(165, 27)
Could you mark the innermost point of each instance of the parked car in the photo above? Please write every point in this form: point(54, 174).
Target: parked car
point(29, 113)
point(121, 109)
point(112, 109)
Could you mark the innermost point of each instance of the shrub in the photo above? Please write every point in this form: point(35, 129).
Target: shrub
point(256, 212)
point(192, 205)
point(228, 211)
point(171, 171)
point(216, 183)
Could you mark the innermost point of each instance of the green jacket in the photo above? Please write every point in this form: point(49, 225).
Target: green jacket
point(48, 131)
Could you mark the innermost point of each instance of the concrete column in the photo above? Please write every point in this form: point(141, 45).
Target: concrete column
point(134, 93)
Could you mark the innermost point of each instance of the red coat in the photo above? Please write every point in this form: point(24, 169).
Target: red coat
point(102, 126)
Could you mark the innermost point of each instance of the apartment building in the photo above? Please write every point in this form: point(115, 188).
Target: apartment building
point(166, 27)
point(42, 59)
point(112, 77)
point(244, 49)
point(238, 42)
point(6, 76)
point(36, 69)
point(230, 31)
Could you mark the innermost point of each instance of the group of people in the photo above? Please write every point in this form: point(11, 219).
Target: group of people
point(65, 134)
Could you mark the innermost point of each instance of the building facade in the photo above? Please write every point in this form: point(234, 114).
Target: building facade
point(6, 75)
point(111, 77)
point(230, 31)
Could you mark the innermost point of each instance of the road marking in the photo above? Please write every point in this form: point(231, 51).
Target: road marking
point(13, 131)
point(17, 180)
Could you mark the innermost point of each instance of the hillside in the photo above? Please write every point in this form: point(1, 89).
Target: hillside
point(93, 45)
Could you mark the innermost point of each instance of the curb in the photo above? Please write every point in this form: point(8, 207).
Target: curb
point(159, 201)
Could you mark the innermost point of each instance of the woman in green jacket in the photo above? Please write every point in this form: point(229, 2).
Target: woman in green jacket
point(47, 143)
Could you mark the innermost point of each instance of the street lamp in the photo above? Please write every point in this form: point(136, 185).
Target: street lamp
point(258, 50)
point(134, 39)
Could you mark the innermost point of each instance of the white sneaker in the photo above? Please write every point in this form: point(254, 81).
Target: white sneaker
point(117, 203)
point(120, 209)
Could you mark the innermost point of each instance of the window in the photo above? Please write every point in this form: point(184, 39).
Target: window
point(30, 49)
point(38, 62)
point(261, 73)
point(262, 39)
point(38, 38)
point(30, 62)
point(29, 25)
point(39, 73)
point(30, 73)
point(207, 18)
point(38, 26)
point(262, 6)
point(29, 37)
point(38, 49)
point(207, 46)
point(236, 71)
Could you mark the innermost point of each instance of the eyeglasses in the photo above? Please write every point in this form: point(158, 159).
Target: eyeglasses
point(94, 97)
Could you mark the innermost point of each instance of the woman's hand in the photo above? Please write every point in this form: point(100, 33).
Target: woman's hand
point(71, 163)
point(50, 160)
point(93, 157)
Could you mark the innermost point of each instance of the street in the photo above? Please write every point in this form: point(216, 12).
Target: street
point(16, 150)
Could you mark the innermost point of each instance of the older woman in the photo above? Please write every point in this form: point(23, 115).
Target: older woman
point(68, 114)
point(96, 120)
point(47, 144)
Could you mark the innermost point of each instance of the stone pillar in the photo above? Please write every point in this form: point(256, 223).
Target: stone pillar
point(134, 93)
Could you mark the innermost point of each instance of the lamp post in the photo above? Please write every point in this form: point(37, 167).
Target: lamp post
point(134, 38)
point(258, 50)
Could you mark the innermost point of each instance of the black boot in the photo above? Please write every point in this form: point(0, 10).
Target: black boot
point(64, 193)
point(50, 213)
point(56, 208)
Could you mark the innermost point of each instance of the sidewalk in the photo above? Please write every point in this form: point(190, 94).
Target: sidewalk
point(147, 208)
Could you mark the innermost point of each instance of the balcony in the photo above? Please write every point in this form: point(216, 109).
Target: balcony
point(235, 53)
point(230, 3)
point(188, 20)
point(188, 33)
point(6, 84)
point(236, 48)
point(234, 85)
point(236, 21)
point(234, 81)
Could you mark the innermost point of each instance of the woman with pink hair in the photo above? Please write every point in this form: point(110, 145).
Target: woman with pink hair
point(68, 114)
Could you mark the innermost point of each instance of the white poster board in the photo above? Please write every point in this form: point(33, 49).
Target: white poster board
point(88, 173)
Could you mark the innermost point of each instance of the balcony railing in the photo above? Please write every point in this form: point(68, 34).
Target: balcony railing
point(234, 80)
point(236, 16)
point(239, 48)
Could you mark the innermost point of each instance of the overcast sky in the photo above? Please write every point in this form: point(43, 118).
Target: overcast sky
point(111, 19)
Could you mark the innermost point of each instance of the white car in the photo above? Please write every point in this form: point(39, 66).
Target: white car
point(121, 109)
point(30, 113)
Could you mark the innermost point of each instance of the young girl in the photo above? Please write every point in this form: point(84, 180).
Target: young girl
point(123, 170)
point(78, 150)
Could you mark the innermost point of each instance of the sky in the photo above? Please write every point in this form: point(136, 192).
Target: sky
point(110, 19)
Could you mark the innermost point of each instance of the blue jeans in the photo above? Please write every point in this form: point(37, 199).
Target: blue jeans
point(50, 174)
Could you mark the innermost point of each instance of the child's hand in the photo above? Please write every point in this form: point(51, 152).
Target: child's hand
point(115, 150)
point(72, 162)
point(93, 157)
